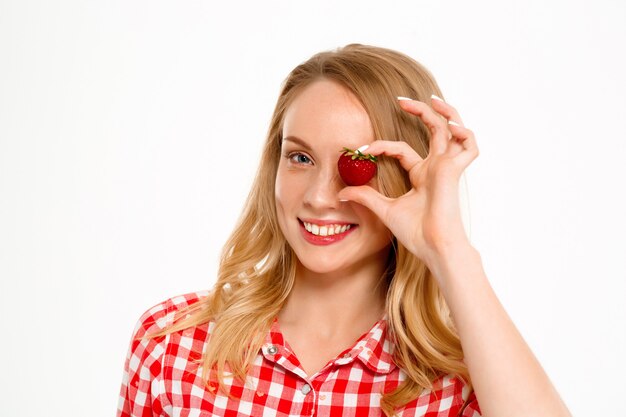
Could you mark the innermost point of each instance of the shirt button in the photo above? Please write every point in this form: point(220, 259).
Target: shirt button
point(272, 350)
point(306, 389)
point(322, 397)
point(347, 355)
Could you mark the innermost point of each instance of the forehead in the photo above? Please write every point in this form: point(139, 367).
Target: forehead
point(327, 112)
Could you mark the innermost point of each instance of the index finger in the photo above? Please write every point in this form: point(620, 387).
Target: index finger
point(438, 128)
point(400, 150)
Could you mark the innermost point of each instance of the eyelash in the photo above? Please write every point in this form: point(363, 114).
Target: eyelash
point(292, 155)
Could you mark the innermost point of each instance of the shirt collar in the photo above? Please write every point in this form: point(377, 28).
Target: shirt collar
point(374, 349)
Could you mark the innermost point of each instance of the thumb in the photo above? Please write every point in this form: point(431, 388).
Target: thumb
point(368, 197)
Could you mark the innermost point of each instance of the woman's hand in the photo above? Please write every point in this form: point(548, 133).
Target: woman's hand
point(427, 219)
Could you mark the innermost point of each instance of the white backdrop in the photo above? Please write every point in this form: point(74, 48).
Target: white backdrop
point(129, 135)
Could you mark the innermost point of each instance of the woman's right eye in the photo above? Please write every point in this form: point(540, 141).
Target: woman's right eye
point(299, 158)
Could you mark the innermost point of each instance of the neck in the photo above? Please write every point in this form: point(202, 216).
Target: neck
point(338, 302)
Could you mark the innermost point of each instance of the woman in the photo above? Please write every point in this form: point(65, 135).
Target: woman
point(335, 300)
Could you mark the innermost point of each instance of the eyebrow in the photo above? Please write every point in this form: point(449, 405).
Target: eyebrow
point(299, 141)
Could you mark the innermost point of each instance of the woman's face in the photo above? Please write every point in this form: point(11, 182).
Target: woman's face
point(327, 235)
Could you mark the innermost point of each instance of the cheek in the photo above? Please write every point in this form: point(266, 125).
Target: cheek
point(288, 188)
point(280, 213)
point(376, 226)
point(280, 191)
point(284, 197)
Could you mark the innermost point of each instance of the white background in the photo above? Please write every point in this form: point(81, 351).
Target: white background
point(130, 131)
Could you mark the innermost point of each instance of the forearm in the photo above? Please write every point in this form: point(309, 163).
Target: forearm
point(507, 378)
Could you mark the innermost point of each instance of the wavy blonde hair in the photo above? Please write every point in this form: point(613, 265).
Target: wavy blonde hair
point(257, 267)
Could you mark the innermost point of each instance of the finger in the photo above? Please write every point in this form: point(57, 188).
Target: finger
point(438, 129)
point(465, 137)
point(446, 110)
point(368, 197)
point(400, 150)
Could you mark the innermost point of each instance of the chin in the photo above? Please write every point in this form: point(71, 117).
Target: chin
point(320, 266)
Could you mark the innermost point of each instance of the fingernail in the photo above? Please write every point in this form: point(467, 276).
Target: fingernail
point(450, 122)
point(343, 200)
point(363, 148)
point(437, 98)
point(404, 98)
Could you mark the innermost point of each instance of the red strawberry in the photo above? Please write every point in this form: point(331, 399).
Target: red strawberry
point(355, 167)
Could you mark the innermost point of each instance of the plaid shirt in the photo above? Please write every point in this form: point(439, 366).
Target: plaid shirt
point(162, 377)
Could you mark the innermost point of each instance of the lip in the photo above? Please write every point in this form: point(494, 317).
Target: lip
point(324, 240)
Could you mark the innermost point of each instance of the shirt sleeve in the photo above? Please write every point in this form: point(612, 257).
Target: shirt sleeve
point(471, 408)
point(450, 396)
point(140, 391)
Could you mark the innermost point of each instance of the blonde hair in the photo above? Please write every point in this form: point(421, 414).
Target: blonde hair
point(257, 268)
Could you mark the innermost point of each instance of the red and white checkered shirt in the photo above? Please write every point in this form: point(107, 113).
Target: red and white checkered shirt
point(162, 377)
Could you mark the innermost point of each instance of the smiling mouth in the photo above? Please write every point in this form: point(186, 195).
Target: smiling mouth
point(326, 229)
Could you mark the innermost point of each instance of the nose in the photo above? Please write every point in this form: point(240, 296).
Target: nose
point(323, 187)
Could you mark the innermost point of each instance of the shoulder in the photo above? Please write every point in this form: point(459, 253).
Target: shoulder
point(139, 395)
point(162, 315)
point(150, 340)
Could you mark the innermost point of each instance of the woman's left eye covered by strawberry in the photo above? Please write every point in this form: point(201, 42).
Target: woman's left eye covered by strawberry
point(355, 167)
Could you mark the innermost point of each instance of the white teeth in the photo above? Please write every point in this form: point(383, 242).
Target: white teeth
point(326, 230)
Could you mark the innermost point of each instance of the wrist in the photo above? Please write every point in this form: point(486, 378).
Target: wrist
point(452, 261)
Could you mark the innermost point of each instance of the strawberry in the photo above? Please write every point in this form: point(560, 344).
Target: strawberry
point(355, 167)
